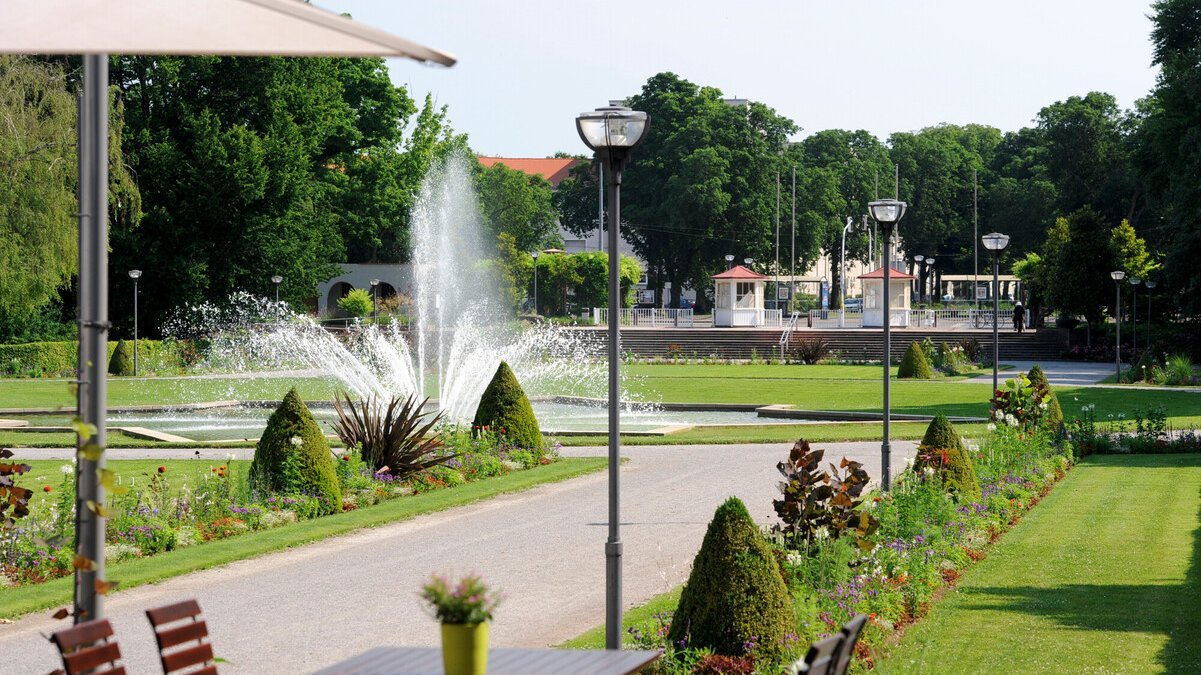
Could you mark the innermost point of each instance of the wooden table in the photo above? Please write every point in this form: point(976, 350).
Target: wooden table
point(428, 661)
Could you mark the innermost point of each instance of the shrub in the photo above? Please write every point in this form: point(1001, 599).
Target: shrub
point(293, 457)
point(11, 494)
point(391, 440)
point(817, 504)
point(1052, 417)
point(929, 351)
point(942, 451)
point(914, 364)
point(356, 303)
point(505, 407)
point(811, 350)
point(735, 593)
point(121, 362)
point(1177, 370)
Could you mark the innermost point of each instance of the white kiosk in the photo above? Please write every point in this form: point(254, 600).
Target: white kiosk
point(873, 298)
point(738, 296)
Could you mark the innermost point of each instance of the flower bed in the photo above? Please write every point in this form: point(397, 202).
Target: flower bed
point(180, 504)
point(915, 540)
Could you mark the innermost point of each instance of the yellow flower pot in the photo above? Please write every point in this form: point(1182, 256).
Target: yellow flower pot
point(465, 648)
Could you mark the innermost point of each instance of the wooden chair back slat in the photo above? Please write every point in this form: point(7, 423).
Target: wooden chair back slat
point(188, 632)
point(846, 651)
point(821, 655)
point(175, 626)
point(87, 649)
point(194, 655)
point(175, 612)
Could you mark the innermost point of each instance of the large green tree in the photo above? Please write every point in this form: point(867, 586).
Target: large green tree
point(519, 204)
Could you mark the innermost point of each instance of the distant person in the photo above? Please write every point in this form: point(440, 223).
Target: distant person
point(1019, 316)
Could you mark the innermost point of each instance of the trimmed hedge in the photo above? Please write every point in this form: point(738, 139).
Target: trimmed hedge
point(57, 359)
point(942, 450)
point(915, 365)
point(734, 593)
point(504, 408)
point(293, 458)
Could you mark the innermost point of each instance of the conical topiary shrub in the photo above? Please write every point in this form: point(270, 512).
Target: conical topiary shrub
point(942, 450)
point(121, 362)
point(293, 457)
point(735, 592)
point(1052, 419)
point(505, 409)
point(915, 365)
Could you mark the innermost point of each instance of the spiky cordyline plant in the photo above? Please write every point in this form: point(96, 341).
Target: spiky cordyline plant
point(391, 440)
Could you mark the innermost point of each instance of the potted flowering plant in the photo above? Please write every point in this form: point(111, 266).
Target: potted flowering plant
point(464, 607)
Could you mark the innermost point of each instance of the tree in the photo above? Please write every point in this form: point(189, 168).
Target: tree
point(1078, 261)
point(518, 204)
point(1168, 145)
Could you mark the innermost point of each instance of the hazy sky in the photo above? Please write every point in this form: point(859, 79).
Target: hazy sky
point(527, 67)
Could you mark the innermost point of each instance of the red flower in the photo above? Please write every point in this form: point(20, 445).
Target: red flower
point(345, 458)
point(485, 427)
point(45, 488)
point(162, 469)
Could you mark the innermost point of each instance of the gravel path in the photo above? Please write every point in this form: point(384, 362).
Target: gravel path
point(303, 609)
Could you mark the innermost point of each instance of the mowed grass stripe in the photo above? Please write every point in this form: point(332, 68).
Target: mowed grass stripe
point(1103, 576)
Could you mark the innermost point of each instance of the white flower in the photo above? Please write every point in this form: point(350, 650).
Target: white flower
point(1011, 420)
point(230, 457)
point(1042, 406)
point(929, 471)
point(821, 533)
point(67, 469)
point(297, 441)
point(991, 427)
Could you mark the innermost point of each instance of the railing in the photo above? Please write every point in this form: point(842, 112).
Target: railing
point(655, 317)
point(786, 334)
point(915, 318)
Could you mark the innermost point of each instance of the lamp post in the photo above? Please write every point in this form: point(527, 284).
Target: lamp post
point(135, 275)
point(276, 280)
point(842, 267)
point(1134, 282)
point(375, 301)
point(886, 212)
point(535, 254)
point(1117, 276)
point(921, 286)
point(995, 242)
point(613, 132)
point(1150, 287)
point(729, 261)
point(929, 278)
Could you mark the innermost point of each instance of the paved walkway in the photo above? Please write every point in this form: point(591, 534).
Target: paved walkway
point(303, 609)
point(1063, 373)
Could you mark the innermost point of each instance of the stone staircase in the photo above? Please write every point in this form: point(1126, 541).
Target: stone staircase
point(852, 344)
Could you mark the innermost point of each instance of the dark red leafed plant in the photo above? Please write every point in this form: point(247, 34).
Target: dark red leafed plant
point(398, 439)
point(14, 499)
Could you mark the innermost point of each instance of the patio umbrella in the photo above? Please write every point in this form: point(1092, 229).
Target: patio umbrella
point(96, 28)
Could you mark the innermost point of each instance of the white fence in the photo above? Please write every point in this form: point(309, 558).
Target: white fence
point(649, 317)
point(913, 318)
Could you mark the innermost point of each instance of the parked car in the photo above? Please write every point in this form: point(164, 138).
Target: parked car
point(853, 305)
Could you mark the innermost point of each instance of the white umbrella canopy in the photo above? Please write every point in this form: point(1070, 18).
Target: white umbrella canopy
point(195, 27)
point(96, 28)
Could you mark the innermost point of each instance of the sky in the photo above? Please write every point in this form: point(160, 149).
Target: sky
point(528, 67)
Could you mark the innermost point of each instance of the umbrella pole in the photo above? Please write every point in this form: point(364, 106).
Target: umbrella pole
point(93, 333)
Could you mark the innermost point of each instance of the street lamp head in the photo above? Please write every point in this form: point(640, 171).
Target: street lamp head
point(612, 132)
point(374, 283)
point(535, 254)
point(919, 258)
point(1151, 285)
point(748, 261)
point(1135, 281)
point(729, 258)
point(929, 261)
point(995, 241)
point(886, 211)
point(276, 279)
point(134, 274)
point(1117, 275)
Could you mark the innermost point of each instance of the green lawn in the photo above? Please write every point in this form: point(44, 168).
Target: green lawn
point(774, 433)
point(22, 600)
point(1103, 576)
point(23, 393)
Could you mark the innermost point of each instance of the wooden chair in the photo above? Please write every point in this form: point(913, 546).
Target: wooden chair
point(182, 638)
point(846, 651)
point(88, 648)
point(820, 659)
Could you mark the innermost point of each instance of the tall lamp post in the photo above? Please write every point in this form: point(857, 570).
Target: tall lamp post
point(887, 212)
point(535, 254)
point(1150, 287)
point(613, 132)
point(995, 242)
point(1134, 282)
point(135, 275)
point(277, 279)
point(375, 301)
point(921, 285)
point(1117, 276)
point(932, 295)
